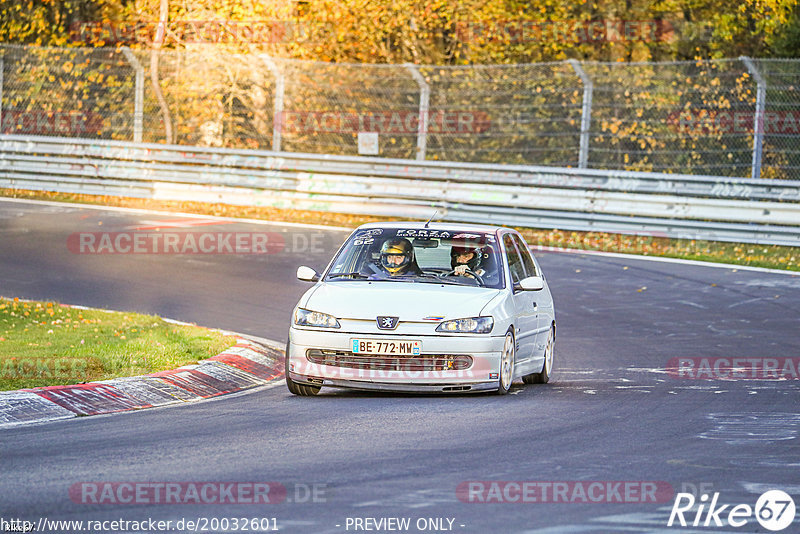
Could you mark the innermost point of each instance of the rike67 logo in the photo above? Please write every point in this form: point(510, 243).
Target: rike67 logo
point(774, 510)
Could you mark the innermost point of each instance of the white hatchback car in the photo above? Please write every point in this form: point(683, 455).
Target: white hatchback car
point(423, 307)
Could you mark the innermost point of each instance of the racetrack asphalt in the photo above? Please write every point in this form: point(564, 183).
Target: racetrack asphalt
point(610, 413)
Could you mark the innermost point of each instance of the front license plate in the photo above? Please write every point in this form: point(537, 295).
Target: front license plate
point(389, 347)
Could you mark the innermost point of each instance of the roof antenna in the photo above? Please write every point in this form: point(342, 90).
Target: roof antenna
point(432, 216)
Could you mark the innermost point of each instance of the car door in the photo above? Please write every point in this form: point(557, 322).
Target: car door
point(542, 300)
point(526, 319)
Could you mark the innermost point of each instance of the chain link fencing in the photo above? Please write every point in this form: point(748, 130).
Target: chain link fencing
point(781, 152)
point(733, 117)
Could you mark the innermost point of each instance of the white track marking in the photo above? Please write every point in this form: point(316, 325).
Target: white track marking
point(174, 214)
point(345, 229)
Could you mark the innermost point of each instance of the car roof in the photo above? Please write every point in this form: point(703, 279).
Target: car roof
point(435, 226)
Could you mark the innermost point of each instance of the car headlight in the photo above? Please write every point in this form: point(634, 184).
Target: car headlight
point(471, 325)
point(303, 317)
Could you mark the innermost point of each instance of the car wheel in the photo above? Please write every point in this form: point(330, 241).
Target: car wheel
point(297, 389)
point(547, 369)
point(507, 359)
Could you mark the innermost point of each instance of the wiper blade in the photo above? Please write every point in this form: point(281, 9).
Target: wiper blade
point(434, 279)
point(413, 278)
point(446, 281)
point(354, 275)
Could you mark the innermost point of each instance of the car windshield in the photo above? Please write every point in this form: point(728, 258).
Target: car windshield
point(416, 255)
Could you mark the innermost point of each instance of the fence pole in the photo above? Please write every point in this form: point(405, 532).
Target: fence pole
point(586, 113)
point(424, 106)
point(758, 119)
point(2, 68)
point(277, 110)
point(138, 105)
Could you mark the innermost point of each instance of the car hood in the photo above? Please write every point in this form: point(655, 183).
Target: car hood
point(408, 301)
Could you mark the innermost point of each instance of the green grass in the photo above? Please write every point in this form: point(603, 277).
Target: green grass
point(770, 256)
point(47, 344)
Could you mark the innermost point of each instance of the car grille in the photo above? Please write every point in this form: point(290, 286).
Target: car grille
point(427, 362)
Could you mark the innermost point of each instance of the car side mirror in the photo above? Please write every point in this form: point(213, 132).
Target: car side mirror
point(307, 274)
point(532, 283)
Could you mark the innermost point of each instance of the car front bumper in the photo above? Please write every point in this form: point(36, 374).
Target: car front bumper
point(481, 375)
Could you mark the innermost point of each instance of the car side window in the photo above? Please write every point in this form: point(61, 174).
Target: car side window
point(514, 261)
point(527, 260)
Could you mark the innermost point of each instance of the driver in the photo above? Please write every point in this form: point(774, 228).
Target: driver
point(465, 257)
point(397, 257)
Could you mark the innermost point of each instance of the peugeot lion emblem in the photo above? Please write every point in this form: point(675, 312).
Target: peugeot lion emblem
point(386, 323)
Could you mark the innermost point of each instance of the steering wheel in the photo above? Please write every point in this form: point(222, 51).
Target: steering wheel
point(469, 272)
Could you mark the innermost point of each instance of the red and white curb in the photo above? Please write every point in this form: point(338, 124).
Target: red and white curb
point(246, 365)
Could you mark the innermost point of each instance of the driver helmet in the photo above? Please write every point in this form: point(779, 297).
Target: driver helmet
point(461, 250)
point(396, 254)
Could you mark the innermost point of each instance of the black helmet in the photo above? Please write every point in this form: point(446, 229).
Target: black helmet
point(397, 246)
point(458, 250)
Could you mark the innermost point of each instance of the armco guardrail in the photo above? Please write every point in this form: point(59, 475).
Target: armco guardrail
point(695, 207)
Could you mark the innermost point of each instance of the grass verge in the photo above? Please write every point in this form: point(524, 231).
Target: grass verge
point(48, 344)
point(769, 256)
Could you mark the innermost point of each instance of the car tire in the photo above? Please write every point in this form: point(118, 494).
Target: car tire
point(543, 377)
point(507, 359)
point(294, 387)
